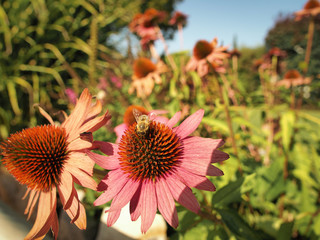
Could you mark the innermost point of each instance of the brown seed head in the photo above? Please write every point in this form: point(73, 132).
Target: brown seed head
point(151, 155)
point(35, 156)
point(202, 49)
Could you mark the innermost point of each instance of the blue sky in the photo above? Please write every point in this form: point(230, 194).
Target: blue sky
point(247, 20)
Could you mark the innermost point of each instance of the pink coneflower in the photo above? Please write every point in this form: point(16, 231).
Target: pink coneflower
point(153, 169)
point(293, 78)
point(145, 74)
point(178, 18)
point(50, 159)
point(311, 8)
point(129, 119)
point(145, 25)
point(205, 53)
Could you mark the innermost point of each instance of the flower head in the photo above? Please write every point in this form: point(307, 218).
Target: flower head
point(293, 78)
point(51, 158)
point(145, 25)
point(205, 53)
point(145, 74)
point(153, 169)
point(311, 8)
point(178, 18)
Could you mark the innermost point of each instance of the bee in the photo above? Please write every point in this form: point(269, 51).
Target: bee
point(143, 121)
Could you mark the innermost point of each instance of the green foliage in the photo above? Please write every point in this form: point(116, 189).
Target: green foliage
point(271, 183)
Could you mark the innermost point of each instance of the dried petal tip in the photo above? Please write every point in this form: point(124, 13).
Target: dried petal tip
point(35, 156)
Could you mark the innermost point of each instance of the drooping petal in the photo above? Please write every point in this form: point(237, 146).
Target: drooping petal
point(44, 212)
point(148, 205)
point(95, 123)
point(81, 161)
point(166, 203)
point(194, 180)
point(65, 189)
point(174, 120)
point(182, 194)
point(200, 168)
point(112, 184)
point(189, 125)
point(125, 195)
point(113, 217)
point(106, 147)
point(135, 204)
point(79, 144)
point(33, 198)
point(46, 115)
point(78, 116)
point(81, 177)
point(109, 163)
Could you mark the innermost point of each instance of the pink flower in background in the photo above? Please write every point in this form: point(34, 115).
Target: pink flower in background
point(293, 78)
point(146, 24)
point(72, 96)
point(205, 53)
point(50, 159)
point(178, 18)
point(129, 119)
point(145, 74)
point(311, 8)
point(155, 168)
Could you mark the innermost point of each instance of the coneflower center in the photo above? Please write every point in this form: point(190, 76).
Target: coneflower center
point(35, 156)
point(202, 49)
point(149, 155)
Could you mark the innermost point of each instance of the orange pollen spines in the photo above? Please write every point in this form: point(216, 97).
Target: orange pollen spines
point(35, 156)
point(151, 155)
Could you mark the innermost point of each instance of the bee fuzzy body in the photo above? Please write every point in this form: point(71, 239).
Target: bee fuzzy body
point(143, 122)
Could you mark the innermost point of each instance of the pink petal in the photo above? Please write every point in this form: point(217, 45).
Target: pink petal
point(182, 194)
point(106, 147)
point(196, 181)
point(81, 161)
point(174, 120)
point(166, 203)
point(161, 119)
point(189, 125)
point(119, 130)
point(125, 195)
point(148, 205)
point(112, 183)
point(200, 168)
point(94, 110)
point(65, 189)
point(219, 156)
point(135, 204)
point(113, 217)
point(204, 149)
point(79, 144)
point(105, 162)
point(81, 177)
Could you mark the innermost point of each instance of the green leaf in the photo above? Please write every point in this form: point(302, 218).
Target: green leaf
point(237, 225)
point(287, 122)
point(285, 231)
point(228, 194)
point(216, 123)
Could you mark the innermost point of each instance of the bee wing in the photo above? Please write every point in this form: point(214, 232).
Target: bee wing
point(136, 113)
